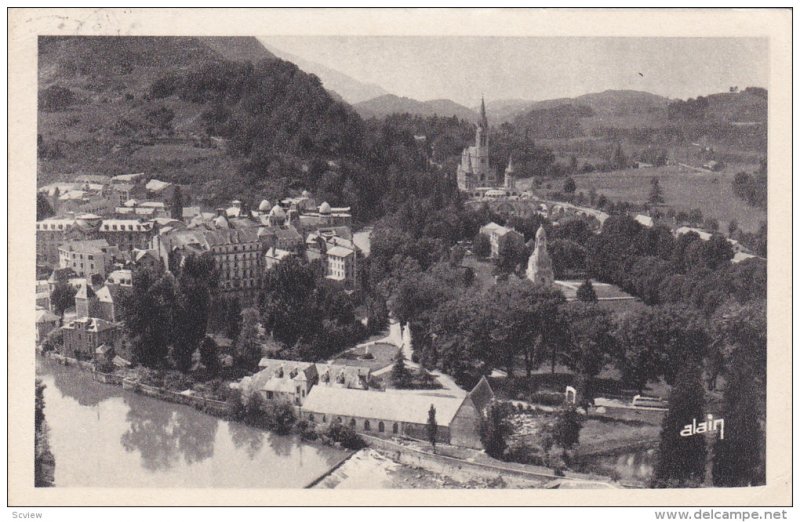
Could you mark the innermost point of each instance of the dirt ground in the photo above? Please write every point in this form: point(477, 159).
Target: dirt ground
point(370, 469)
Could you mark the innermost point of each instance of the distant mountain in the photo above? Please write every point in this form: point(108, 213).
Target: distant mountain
point(238, 48)
point(611, 103)
point(346, 87)
point(391, 104)
point(500, 111)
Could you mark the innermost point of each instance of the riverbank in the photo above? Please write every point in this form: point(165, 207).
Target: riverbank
point(140, 441)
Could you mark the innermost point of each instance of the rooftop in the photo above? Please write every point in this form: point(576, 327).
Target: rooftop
point(391, 406)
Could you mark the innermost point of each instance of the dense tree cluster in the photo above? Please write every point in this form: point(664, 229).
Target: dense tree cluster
point(651, 264)
point(165, 315)
point(312, 317)
point(752, 188)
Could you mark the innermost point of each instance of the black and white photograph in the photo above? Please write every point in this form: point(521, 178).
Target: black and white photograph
point(401, 262)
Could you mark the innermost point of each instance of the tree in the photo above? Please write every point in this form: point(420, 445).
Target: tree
point(401, 376)
point(567, 427)
point(481, 246)
point(197, 279)
point(496, 428)
point(741, 334)
point(176, 205)
point(43, 207)
point(695, 216)
point(526, 322)
point(62, 298)
point(656, 196)
point(656, 342)
point(618, 158)
point(432, 428)
point(739, 458)
point(591, 345)
point(209, 356)
point(733, 226)
point(248, 349)
point(43, 457)
point(682, 459)
point(510, 255)
point(148, 313)
point(586, 292)
point(233, 318)
point(569, 186)
point(279, 416)
point(289, 311)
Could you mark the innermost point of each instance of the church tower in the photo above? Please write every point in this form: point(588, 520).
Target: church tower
point(540, 268)
point(510, 182)
point(474, 170)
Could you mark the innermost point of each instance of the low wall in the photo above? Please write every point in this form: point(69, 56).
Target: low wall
point(211, 406)
point(448, 465)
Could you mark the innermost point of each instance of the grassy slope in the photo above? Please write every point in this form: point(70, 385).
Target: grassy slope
point(683, 190)
point(104, 76)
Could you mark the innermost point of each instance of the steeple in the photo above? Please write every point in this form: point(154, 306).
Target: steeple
point(509, 182)
point(484, 122)
point(540, 268)
point(510, 168)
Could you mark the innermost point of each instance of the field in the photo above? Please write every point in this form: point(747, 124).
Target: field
point(683, 190)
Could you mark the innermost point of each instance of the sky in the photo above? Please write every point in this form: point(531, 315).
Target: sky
point(464, 68)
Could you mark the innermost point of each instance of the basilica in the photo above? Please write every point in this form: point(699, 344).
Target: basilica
point(474, 173)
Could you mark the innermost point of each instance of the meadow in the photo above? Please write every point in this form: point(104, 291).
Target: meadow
point(683, 189)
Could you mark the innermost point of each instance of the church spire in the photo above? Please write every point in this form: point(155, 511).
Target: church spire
point(484, 122)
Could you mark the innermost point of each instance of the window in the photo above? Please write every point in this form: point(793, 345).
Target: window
point(380, 427)
point(324, 418)
point(311, 417)
point(394, 428)
point(352, 423)
point(269, 395)
point(366, 425)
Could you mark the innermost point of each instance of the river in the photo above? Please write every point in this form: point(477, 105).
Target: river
point(102, 435)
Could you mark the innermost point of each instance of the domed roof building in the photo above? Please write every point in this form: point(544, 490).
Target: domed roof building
point(277, 216)
point(325, 208)
point(264, 206)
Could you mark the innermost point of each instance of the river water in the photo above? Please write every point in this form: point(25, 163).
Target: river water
point(102, 435)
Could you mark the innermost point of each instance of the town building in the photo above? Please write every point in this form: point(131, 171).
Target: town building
point(474, 170)
point(283, 380)
point(338, 253)
point(51, 233)
point(394, 413)
point(46, 322)
point(510, 178)
point(540, 267)
point(325, 216)
point(83, 335)
point(499, 235)
point(88, 258)
point(43, 295)
point(275, 255)
point(127, 234)
point(238, 255)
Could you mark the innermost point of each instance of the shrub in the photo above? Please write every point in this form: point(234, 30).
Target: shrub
point(307, 430)
point(567, 427)
point(496, 428)
point(547, 398)
point(344, 435)
point(278, 416)
point(236, 408)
